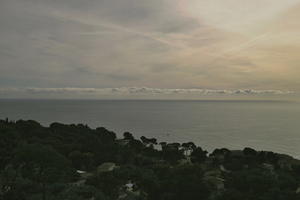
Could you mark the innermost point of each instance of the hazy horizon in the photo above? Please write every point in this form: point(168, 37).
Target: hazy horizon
point(211, 124)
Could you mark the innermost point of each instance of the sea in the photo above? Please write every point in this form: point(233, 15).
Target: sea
point(233, 124)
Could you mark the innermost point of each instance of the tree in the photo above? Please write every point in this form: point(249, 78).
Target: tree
point(172, 153)
point(148, 141)
point(199, 155)
point(42, 164)
point(186, 183)
point(163, 145)
point(81, 192)
point(128, 136)
point(249, 152)
point(12, 185)
point(8, 141)
point(82, 161)
point(188, 147)
point(137, 145)
point(106, 135)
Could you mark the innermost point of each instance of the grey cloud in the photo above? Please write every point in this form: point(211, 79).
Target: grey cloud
point(159, 15)
point(155, 15)
point(46, 42)
point(142, 91)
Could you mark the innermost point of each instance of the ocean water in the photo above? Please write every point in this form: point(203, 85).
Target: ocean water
point(263, 125)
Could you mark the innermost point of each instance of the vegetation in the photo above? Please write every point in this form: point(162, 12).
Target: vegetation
point(75, 162)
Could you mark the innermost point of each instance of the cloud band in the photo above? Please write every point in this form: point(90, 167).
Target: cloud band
point(140, 91)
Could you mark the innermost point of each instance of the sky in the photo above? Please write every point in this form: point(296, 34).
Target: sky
point(148, 49)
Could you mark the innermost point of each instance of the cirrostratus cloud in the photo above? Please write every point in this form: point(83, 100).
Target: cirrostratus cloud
point(158, 44)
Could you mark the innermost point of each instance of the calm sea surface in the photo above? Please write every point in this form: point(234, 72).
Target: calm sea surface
point(263, 125)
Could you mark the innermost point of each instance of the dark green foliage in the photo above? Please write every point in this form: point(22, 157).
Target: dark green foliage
point(171, 152)
point(82, 161)
point(182, 183)
point(39, 162)
point(188, 147)
point(148, 141)
point(81, 192)
point(8, 142)
point(128, 136)
point(249, 152)
point(42, 165)
point(105, 135)
point(198, 155)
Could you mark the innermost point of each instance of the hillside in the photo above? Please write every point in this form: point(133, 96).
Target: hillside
point(75, 162)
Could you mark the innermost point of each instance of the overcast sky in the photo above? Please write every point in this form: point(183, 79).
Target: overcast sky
point(148, 46)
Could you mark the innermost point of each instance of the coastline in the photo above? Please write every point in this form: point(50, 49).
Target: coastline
point(96, 163)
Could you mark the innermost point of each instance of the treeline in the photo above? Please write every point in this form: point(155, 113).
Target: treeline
point(75, 162)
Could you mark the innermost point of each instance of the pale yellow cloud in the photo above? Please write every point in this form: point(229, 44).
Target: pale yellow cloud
point(260, 43)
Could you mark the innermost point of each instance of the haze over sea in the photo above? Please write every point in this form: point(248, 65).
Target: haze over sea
point(234, 124)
